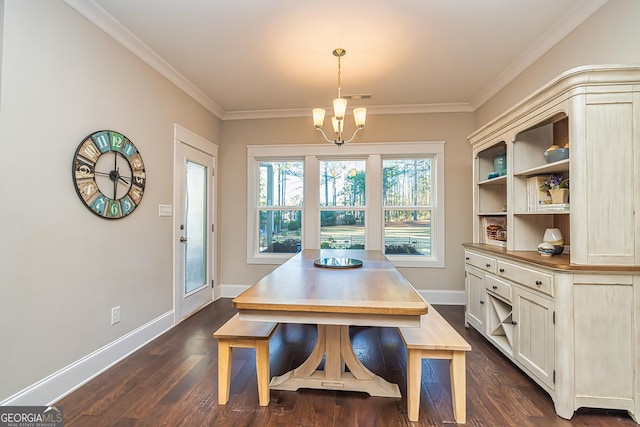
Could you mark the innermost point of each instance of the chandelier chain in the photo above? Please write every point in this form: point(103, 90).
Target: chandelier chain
point(339, 76)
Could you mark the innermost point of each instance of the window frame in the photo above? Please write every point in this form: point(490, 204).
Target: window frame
point(434, 260)
point(373, 153)
point(254, 256)
point(323, 208)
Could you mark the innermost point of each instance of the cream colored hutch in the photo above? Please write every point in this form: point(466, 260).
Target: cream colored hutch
point(570, 321)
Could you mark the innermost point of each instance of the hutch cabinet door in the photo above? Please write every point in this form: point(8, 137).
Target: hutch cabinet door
point(534, 336)
point(603, 229)
point(476, 298)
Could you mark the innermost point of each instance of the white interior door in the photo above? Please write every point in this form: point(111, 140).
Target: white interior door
point(194, 238)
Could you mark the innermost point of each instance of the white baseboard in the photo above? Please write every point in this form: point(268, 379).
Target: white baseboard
point(432, 296)
point(232, 291)
point(57, 385)
point(436, 297)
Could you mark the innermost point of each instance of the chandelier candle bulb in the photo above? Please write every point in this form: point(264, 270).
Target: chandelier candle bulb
point(318, 117)
point(339, 108)
point(360, 116)
point(338, 125)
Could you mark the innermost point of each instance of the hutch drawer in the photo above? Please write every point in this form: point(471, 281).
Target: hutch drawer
point(482, 262)
point(498, 287)
point(533, 279)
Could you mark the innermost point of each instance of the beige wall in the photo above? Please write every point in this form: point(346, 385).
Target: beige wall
point(62, 268)
point(452, 128)
point(1, 44)
point(609, 36)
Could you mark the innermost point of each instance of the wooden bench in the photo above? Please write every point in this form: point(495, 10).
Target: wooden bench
point(244, 334)
point(435, 339)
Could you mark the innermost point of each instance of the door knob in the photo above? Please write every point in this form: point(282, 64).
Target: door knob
point(183, 239)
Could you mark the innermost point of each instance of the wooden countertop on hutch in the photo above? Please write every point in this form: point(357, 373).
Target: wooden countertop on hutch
point(556, 262)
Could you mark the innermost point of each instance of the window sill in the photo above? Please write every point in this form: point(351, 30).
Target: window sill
point(411, 261)
point(275, 259)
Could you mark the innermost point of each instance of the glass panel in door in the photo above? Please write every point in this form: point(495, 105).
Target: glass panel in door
point(195, 227)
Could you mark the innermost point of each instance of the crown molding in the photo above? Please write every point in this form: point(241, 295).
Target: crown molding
point(461, 107)
point(567, 23)
point(445, 107)
point(107, 23)
point(93, 12)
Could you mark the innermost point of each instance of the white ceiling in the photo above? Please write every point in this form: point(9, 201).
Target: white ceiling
point(257, 58)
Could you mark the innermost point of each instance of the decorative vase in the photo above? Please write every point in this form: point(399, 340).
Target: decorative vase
point(559, 195)
point(553, 236)
point(500, 164)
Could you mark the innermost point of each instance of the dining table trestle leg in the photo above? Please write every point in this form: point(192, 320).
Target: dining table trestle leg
point(334, 343)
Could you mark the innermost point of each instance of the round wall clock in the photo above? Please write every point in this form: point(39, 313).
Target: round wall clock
point(108, 174)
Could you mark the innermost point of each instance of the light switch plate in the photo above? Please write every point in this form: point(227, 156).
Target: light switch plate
point(165, 210)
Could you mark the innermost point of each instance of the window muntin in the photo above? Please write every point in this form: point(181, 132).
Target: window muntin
point(407, 196)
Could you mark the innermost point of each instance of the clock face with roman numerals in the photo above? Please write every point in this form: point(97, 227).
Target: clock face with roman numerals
point(108, 174)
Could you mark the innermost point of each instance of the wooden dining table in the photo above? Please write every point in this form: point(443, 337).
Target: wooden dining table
point(374, 294)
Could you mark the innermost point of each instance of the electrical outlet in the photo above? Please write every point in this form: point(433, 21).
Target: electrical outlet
point(115, 315)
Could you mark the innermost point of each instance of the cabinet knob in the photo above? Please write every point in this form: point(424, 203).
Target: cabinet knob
point(467, 258)
point(481, 302)
point(513, 322)
point(502, 270)
point(494, 287)
point(538, 282)
point(488, 265)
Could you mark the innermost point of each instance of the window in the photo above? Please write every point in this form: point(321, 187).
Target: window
point(386, 196)
point(342, 204)
point(280, 196)
point(406, 199)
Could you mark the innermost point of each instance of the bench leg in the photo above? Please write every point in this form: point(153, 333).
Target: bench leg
point(458, 386)
point(262, 371)
point(414, 381)
point(224, 371)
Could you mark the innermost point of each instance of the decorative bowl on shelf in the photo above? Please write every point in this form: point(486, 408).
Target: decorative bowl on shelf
point(546, 249)
point(555, 155)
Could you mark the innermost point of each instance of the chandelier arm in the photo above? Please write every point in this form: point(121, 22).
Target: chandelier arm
point(324, 135)
point(354, 134)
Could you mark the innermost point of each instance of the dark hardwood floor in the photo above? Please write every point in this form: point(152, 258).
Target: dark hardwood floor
point(173, 381)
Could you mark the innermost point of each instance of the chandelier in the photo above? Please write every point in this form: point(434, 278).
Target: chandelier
point(339, 111)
